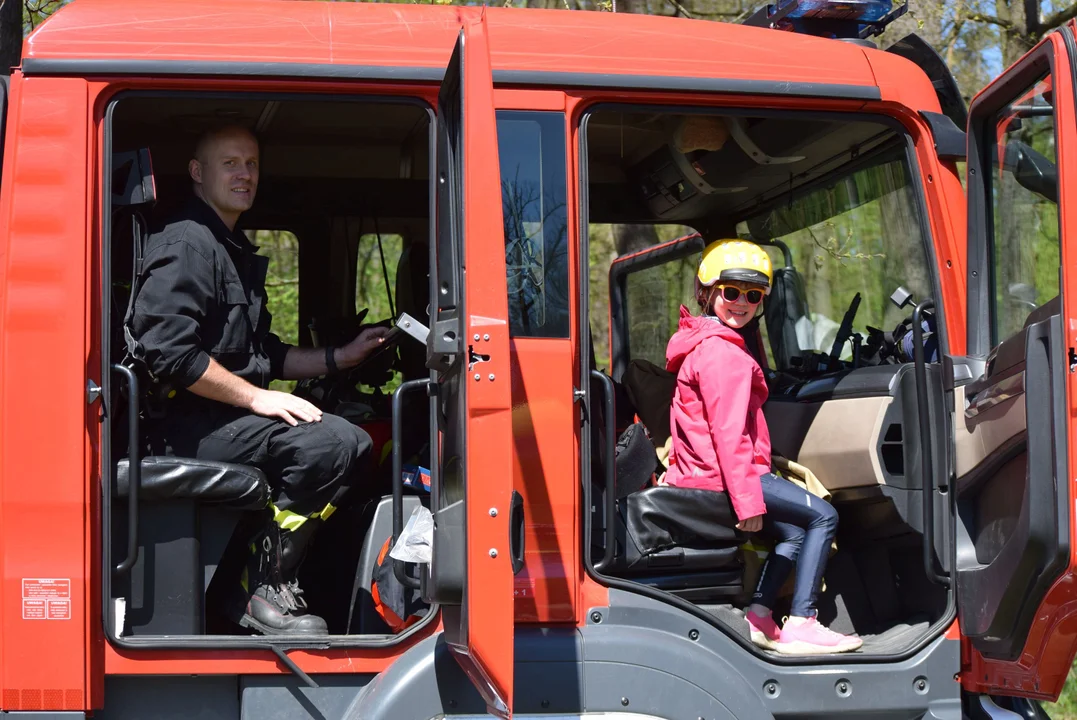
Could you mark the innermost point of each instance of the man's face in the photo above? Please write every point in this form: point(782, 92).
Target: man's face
point(226, 174)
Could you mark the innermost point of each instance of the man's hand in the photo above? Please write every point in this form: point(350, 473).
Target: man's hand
point(752, 524)
point(364, 343)
point(287, 407)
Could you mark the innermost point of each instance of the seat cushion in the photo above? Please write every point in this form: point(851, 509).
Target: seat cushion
point(665, 517)
point(164, 478)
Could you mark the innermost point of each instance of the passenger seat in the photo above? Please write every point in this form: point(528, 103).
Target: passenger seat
point(681, 540)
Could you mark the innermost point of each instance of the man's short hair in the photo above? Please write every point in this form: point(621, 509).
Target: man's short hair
point(216, 133)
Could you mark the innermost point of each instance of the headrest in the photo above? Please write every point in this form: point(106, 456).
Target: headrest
point(132, 179)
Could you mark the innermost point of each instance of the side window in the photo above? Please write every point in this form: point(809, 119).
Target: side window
point(863, 235)
point(1024, 209)
point(531, 148)
point(376, 264)
point(282, 286)
point(654, 297)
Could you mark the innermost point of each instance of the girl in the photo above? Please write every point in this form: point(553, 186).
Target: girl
point(721, 443)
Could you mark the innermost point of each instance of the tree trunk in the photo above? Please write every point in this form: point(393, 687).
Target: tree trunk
point(10, 35)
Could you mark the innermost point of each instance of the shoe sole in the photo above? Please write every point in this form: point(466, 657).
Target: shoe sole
point(761, 640)
point(800, 647)
point(248, 622)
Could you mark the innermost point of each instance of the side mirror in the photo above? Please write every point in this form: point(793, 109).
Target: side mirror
point(1031, 170)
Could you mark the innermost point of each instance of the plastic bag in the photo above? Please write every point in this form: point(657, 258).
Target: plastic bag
point(416, 541)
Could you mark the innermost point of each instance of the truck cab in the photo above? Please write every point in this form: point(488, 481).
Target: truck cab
point(524, 194)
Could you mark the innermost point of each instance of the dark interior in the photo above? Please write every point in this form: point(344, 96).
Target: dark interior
point(660, 167)
point(331, 171)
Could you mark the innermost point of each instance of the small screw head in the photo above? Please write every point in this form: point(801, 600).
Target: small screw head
point(493, 553)
point(491, 376)
point(476, 377)
point(844, 688)
point(771, 688)
point(476, 337)
point(596, 617)
point(486, 337)
point(693, 634)
point(493, 512)
point(545, 704)
point(624, 701)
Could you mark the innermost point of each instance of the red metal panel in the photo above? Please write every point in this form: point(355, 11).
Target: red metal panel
point(544, 472)
point(44, 493)
point(488, 615)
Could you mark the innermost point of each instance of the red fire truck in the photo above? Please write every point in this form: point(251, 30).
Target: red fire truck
point(917, 344)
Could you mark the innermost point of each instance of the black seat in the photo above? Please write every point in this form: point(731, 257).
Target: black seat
point(166, 478)
point(680, 540)
point(188, 511)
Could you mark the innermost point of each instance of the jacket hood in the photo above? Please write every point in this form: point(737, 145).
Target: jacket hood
point(691, 331)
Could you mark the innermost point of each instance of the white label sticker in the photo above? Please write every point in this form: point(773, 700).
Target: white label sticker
point(46, 598)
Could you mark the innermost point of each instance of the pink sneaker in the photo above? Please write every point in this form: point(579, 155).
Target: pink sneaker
point(765, 632)
point(809, 637)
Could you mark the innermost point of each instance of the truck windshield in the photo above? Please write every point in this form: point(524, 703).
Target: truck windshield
point(860, 233)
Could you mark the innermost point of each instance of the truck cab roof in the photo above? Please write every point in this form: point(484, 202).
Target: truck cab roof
point(409, 42)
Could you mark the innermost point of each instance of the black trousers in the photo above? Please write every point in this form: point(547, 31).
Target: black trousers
point(309, 466)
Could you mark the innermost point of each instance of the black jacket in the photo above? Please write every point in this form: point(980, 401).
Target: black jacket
point(202, 294)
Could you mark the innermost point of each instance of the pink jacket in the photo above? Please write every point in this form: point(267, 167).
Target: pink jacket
point(720, 438)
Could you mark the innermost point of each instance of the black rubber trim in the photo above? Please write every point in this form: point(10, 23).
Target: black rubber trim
point(212, 68)
point(584, 538)
point(668, 83)
point(166, 68)
point(913, 48)
point(950, 140)
point(202, 642)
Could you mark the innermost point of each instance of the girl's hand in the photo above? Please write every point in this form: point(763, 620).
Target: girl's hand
point(752, 524)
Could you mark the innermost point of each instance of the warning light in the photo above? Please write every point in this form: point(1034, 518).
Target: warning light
point(843, 19)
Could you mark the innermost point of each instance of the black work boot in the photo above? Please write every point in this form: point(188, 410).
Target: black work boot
point(272, 602)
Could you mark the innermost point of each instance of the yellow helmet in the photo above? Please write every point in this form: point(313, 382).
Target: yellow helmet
point(739, 260)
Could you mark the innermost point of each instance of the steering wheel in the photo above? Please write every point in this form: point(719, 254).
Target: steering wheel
point(845, 331)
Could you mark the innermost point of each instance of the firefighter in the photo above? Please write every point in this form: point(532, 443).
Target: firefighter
point(200, 326)
point(721, 442)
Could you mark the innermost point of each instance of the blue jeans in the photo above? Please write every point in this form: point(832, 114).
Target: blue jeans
point(803, 527)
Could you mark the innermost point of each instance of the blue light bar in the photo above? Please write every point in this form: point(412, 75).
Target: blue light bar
point(829, 18)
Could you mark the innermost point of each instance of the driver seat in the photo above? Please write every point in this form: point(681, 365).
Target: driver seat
point(187, 509)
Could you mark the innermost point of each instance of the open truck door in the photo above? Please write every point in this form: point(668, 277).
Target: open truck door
point(478, 520)
point(1013, 421)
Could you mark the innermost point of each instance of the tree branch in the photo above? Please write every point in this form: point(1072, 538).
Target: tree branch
point(1006, 25)
point(1059, 18)
point(680, 8)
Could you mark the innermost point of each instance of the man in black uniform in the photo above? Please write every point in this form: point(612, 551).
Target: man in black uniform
point(200, 324)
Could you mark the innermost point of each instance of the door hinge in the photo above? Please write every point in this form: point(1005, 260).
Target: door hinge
point(578, 395)
point(93, 391)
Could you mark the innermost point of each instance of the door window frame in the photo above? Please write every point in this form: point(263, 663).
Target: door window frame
point(102, 200)
point(579, 125)
point(980, 255)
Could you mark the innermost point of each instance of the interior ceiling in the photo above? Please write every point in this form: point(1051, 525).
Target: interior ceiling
point(317, 157)
point(626, 151)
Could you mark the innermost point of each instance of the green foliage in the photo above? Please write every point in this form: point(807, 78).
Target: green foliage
point(282, 288)
point(282, 282)
point(1066, 707)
